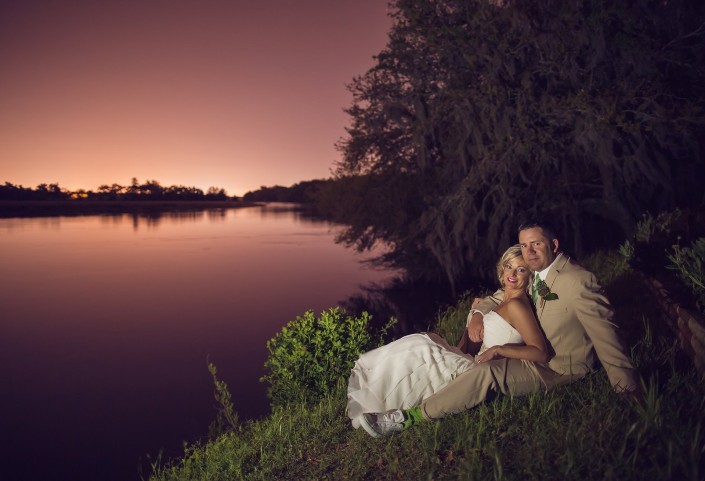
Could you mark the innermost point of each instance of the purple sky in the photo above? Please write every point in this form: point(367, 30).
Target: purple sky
point(227, 93)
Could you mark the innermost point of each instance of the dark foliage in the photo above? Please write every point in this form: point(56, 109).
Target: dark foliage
point(149, 190)
point(478, 114)
point(10, 191)
point(301, 192)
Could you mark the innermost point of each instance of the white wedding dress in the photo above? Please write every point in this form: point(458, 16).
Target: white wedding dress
point(403, 373)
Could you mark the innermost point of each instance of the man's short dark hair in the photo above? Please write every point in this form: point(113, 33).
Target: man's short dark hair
point(544, 225)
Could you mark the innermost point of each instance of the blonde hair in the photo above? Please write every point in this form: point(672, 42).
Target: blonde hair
point(512, 253)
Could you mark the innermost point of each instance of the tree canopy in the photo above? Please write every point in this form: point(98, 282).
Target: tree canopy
point(480, 113)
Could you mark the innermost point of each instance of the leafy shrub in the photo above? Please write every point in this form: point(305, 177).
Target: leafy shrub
point(609, 265)
point(690, 264)
point(650, 228)
point(654, 238)
point(312, 354)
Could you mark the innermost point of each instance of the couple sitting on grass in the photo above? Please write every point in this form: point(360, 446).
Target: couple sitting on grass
point(421, 377)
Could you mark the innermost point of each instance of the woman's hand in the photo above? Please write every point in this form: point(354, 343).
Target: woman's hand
point(489, 355)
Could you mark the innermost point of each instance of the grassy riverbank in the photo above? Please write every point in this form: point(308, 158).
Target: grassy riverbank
point(577, 432)
point(41, 208)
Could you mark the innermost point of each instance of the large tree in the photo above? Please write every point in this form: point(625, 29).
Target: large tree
point(478, 113)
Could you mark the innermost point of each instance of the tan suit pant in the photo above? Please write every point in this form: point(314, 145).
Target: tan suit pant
point(485, 381)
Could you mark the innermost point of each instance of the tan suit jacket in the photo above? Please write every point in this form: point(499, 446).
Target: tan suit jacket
point(579, 330)
point(578, 326)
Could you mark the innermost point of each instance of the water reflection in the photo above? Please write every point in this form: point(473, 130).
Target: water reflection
point(299, 212)
point(215, 215)
point(108, 323)
point(154, 219)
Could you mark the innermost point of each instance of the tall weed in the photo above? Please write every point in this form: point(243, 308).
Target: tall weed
point(226, 417)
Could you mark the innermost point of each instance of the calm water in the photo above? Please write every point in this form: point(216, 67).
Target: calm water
point(107, 324)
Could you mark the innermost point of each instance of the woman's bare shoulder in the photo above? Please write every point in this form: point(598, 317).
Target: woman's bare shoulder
point(518, 303)
point(517, 308)
point(513, 307)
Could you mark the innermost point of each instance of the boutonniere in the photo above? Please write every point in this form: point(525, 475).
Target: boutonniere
point(544, 292)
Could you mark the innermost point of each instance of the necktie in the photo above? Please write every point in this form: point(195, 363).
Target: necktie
point(535, 290)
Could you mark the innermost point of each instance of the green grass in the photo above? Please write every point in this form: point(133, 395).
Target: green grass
point(583, 431)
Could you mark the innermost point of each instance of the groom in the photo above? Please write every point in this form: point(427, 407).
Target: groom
point(576, 319)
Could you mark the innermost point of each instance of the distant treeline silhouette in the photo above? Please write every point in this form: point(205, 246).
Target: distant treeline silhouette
point(302, 192)
point(149, 190)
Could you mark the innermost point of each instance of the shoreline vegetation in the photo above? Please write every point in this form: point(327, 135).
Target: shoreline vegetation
point(581, 431)
point(49, 208)
point(148, 198)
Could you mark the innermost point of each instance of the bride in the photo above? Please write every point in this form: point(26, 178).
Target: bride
point(401, 374)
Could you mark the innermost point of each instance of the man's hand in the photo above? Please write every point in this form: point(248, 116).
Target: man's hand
point(476, 327)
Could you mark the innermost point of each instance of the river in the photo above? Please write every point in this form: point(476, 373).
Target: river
point(107, 323)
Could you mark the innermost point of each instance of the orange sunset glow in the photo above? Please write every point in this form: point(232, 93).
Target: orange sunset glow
point(229, 93)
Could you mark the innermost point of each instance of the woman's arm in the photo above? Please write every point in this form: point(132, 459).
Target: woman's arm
point(522, 318)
